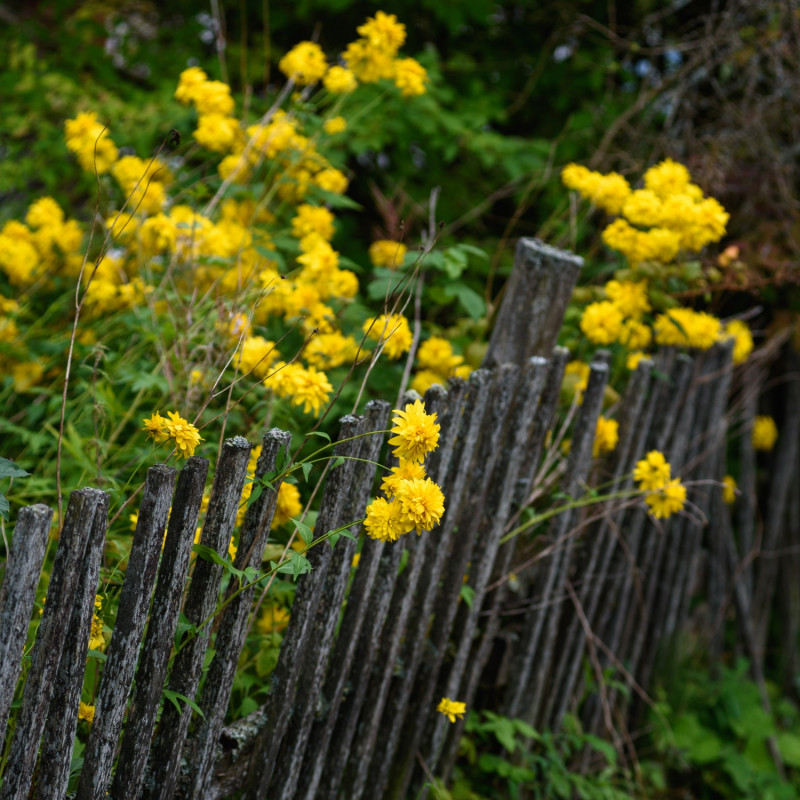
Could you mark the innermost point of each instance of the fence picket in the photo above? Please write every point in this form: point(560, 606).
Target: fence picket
point(17, 595)
point(46, 655)
point(161, 778)
point(152, 671)
point(62, 717)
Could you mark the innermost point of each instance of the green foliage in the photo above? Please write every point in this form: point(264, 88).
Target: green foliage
point(537, 764)
point(714, 735)
point(8, 469)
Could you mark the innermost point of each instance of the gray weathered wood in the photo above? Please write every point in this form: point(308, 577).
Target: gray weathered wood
point(411, 616)
point(17, 595)
point(536, 297)
point(377, 418)
point(511, 445)
point(283, 689)
point(233, 620)
point(123, 650)
point(62, 718)
point(150, 676)
point(522, 690)
point(162, 775)
point(64, 578)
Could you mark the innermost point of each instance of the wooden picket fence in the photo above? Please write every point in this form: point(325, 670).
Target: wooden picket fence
point(369, 652)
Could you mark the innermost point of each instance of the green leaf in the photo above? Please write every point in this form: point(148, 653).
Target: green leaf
point(789, 747)
point(96, 654)
point(322, 434)
point(306, 534)
point(4, 507)
point(338, 462)
point(8, 469)
point(306, 467)
point(467, 594)
point(174, 697)
point(468, 298)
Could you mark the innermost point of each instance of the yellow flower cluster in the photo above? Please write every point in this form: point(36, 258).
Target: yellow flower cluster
point(173, 426)
point(437, 362)
point(89, 140)
point(373, 57)
point(606, 436)
point(387, 253)
point(413, 501)
point(729, 489)
point(86, 712)
point(742, 340)
point(674, 212)
point(684, 327)
point(665, 496)
point(302, 386)
point(765, 433)
point(392, 331)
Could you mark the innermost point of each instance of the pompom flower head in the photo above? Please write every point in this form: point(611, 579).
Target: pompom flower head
point(416, 432)
point(765, 433)
point(452, 709)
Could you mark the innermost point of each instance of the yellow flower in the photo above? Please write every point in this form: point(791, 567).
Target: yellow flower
point(416, 432)
point(729, 489)
point(188, 84)
point(287, 505)
point(96, 639)
point(667, 500)
point(256, 355)
point(387, 253)
point(404, 471)
point(422, 502)
point(666, 178)
point(368, 63)
point(383, 32)
point(629, 297)
point(334, 125)
point(606, 436)
point(156, 427)
point(217, 132)
point(86, 712)
point(273, 619)
point(652, 472)
point(426, 378)
point(186, 436)
point(393, 330)
point(601, 322)
point(305, 62)
point(452, 709)
point(385, 520)
point(633, 359)
point(765, 433)
point(683, 327)
point(313, 220)
point(331, 180)
point(635, 335)
point(339, 80)
point(742, 340)
point(410, 77)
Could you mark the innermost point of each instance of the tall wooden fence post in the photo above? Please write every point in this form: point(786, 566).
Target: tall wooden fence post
point(536, 298)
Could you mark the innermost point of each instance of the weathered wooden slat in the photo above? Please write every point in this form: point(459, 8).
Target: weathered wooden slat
point(17, 595)
point(123, 650)
point(601, 545)
point(551, 374)
point(283, 690)
point(389, 603)
point(783, 478)
point(161, 779)
point(62, 716)
point(579, 465)
point(64, 578)
point(535, 300)
point(464, 551)
point(453, 683)
point(521, 691)
point(147, 693)
point(341, 659)
point(233, 620)
point(746, 503)
point(414, 605)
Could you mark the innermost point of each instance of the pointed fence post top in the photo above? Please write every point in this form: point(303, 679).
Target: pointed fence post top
point(533, 306)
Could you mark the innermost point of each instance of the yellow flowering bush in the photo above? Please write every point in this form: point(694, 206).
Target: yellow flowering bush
point(664, 495)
